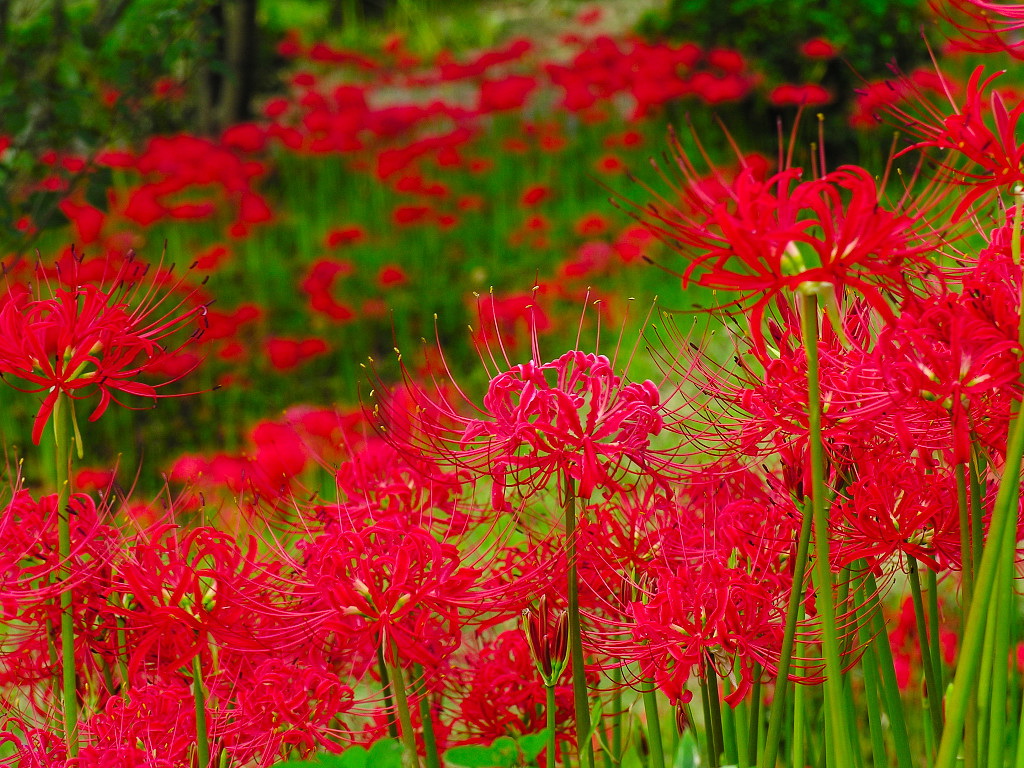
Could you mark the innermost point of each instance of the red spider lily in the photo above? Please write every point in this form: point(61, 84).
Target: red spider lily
point(82, 338)
point(945, 355)
point(895, 509)
point(388, 587)
point(29, 586)
point(278, 707)
point(987, 27)
point(182, 589)
point(380, 484)
point(573, 418)
point(980, 137)
point(759, 235)
point(500, 693)
point(152, 725)
point(708, 612)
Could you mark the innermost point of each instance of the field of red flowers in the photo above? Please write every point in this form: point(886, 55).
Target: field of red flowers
point(505, 408)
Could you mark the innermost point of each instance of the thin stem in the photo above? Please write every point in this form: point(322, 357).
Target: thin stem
point(835, 709)
point(776, 720)
point(711, 753)
point(581, 698)
point(754, 719)
point(202, 730)
point(797, 751)
point(715, 700)
point(1002, 606)
point(1002, 522)
point(650, 696)
point(385, 684)
point(402, 705)
point(431, 755)
point(966, 550)
point(890, 686)
point(932, 586)
point(62, 462)
point(549, 711)
point(616, 675)
point(934, 691)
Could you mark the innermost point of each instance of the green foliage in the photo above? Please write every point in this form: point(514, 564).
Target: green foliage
point(870, 35)
point(386, 753)
point(503, 752)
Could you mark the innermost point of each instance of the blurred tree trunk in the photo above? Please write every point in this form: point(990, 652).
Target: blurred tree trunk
point(225, 75)
point(240, 54)
point(5, 19)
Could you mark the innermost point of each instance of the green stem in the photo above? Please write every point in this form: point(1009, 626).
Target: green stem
point(710, 750)
point(1002, 522)
point(966, 550)
point(616, 755)
point(869, 666)
point(202, 730)
point(823, 572)
point(729, 736)
point(715, 700)
point(748, 756)
point(62, 465)
point(932, 683)
point(1002, 607)
point(432, 756)
point(549, 711)
point(890, 686)
point(402, 705)
point(385, 684)
point(932, 585)
point(581, 699)
point(650, 696)
point(776, 718)
point(797, 751)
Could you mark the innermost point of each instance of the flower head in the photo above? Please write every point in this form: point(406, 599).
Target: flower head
point(83, 337)
point(573, 418)
point(758, 234)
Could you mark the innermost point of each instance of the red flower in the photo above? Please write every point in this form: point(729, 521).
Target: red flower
point(83, 338)
point(819, 48)
point(286, 354)
point(988, 27)
point(759, 235)
point(986, 154)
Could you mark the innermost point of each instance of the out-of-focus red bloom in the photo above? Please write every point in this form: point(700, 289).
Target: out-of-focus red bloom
point(819, 48)
point(285, 354)
point(391, 275)
point(344, 236)
point(86, 219)
point(808, 94)
point(534, 195)
point(84, 338)
point(590, 224)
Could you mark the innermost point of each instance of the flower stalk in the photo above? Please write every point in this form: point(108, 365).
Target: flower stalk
point(835, 707)
point(62, 465)
point(581, 699)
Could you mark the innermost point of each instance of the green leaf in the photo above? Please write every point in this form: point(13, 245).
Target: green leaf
point(386, 753)
point(533, 744)
point(688, 755)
